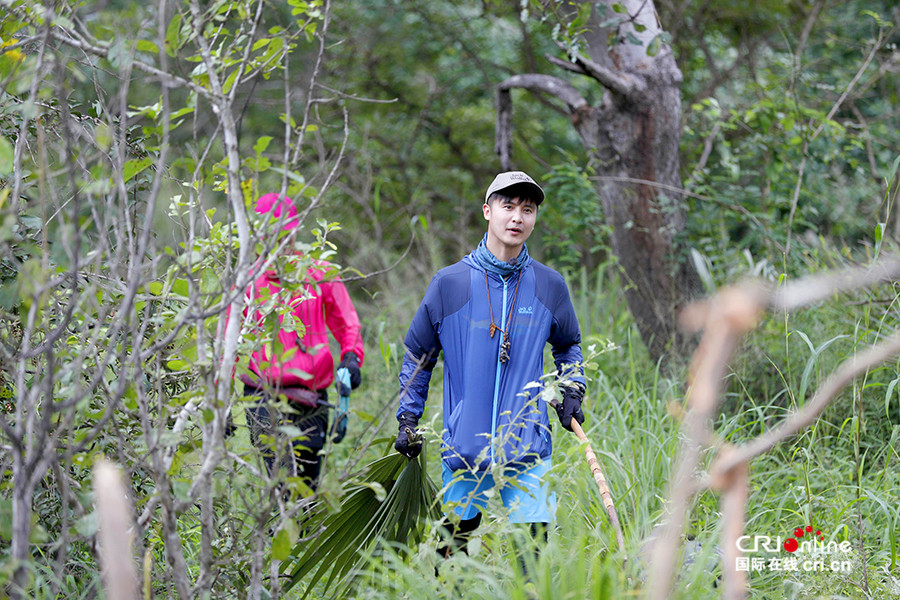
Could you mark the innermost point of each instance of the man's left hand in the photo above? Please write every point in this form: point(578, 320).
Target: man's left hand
point(351, 363)
point(570, 407)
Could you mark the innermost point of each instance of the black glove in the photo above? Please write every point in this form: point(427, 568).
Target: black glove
point(408, 443)
point(351, 363)
point(339, 427)
point(570, 407)
point(230, 427)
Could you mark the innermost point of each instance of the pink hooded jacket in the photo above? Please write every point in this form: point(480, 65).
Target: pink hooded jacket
point(306, 361)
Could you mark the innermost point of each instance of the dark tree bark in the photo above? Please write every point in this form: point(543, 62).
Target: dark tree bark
point(632, 139)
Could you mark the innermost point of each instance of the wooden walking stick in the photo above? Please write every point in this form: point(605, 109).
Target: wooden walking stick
point(600, 479)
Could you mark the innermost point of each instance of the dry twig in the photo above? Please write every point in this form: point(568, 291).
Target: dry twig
point(724, 318)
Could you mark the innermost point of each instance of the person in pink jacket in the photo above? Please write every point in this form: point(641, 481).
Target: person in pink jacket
point(297, 365)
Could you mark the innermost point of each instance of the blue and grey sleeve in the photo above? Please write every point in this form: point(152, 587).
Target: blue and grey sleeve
point(565, 337)
point(422, 349)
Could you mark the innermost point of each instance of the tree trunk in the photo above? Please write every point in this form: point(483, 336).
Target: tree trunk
point(21, 526)
point(638, 182)
point(632, 139)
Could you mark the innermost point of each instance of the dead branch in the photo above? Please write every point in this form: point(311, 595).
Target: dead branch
point(817, 288)
point(856, 365)
point(734, 502)
point(116, 528)
point(535, 83)
point(566, 64)
point(614, 81)
point(600, 480)
point(724, 318)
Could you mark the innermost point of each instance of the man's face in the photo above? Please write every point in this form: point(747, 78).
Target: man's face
point(510, 222)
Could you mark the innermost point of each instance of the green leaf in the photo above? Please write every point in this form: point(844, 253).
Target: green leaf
point(134, 167)
point(231, 79)
point(281, 546)
point(611, 22)
point(654, 46)
point(887, 397)
point(38, 532)
point(584, 13)
point(813, 361)
point(103, 136)
point(284, 540)
point(364, 416)
point(283, 118)
point(209, 281)
point(290, 175)
point(147, 46)
point(173, 33)
point(619, 7)
point(879, 233)
point(6, 519)
point(30, 278)
point(6, 157)
point(181, 287)
point(893, 171)
point(261, 144)
point(9, 295)
point(88, 525)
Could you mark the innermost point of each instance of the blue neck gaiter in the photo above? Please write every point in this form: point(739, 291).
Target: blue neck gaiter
point(488, 261)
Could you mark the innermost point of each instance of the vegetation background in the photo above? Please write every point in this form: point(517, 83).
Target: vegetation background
point(133, 138)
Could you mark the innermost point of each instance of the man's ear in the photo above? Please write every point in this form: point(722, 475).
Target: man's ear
point(486, 209)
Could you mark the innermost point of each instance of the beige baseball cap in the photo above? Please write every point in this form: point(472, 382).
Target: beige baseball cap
point(515, 179)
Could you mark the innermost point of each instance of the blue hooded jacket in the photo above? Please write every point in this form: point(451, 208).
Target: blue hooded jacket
point(485, 399)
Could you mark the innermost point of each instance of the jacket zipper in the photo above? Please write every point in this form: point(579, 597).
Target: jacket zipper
point(494, 404)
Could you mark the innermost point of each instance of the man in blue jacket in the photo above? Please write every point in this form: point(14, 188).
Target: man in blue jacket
point(491, 314)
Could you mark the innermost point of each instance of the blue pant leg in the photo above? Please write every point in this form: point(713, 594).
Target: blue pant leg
point(530, 500)
point(464, 490)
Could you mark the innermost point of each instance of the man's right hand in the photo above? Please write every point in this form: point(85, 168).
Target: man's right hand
point(408, 443)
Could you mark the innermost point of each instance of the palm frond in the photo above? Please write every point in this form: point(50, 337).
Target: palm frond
point(346, 535)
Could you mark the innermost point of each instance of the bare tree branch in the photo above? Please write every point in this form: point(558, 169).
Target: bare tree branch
point(816, 288)
point(566, 64)
point(736, 490)
point(119, 575)
point(857, 365)
point(535, 83)
point(165, 77)
point(615, 81)
point(724, 318)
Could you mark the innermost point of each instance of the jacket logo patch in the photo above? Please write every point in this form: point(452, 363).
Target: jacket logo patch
point(526, 310)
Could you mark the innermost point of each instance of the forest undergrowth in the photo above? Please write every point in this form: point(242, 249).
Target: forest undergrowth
point(840, 477)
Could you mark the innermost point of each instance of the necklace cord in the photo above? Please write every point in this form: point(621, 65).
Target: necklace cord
point(512, 307)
